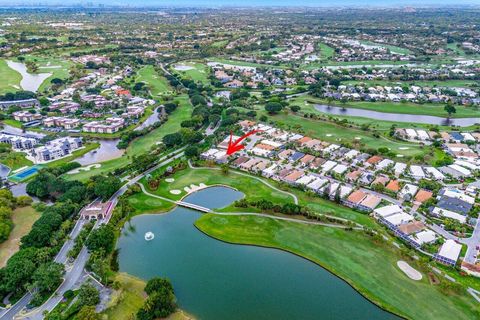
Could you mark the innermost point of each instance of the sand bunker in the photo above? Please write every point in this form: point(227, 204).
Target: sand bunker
point(87, 168)
point(193, 188)
point(182, 67)
point(175, 191)
point(409, 271)
point(169, 180)
point(328, 134)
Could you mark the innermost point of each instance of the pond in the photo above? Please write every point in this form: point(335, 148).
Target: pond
point(30, 81)
point(107, 151)
point(215, 280)
point(396, 117)
point(17, 131)
point(149, 121)
point(4, 171)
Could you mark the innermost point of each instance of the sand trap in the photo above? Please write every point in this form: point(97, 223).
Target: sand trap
point(358, 138)
point(87, 168)
point(169, 180)
point(193, 187)
point(182, 67)
point(400, 155)
point(409, 271)
point(403, 148)
point(175, 191)
point(329, 134)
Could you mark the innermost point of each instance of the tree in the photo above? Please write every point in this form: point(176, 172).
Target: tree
point(48, 276)
point(295, 108)
point(172, 139)
point(160, 302)
point(191, 152)
point(87, 313)
point(273, 107)
point(88, 295)
point(158, 284)
point(105, 187)
point(450, 109)
point(102, 238)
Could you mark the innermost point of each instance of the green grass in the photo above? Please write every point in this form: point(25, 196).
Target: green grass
point(220, 44)
point(333, 133)
point(252, 188)
point(23, 219)
point(9, 78)
point(46, 63)
point(326, 52)
point(199, 73)
point(142, 144)
point(368, 266)
point(15, 160)
point(246, 64)
point(458, 51)
point(143, 203)
point(157, 84)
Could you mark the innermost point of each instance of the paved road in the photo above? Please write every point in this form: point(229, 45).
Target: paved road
point(74, 273)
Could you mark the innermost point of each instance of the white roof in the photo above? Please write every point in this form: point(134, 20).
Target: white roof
point(351, 154)
point(450, 250)
point(399, 218)
point(388, 210)
point(331, 148)
point(423, 135)
point(458, 194)
point(384, 163)
point(424, 236)
point(345, 191)
point(435, 173)
point(270, 169)
point(411, 133)
point(260, 152)
point(305, 179)
point(272, 143)
point(449, 214)
point(467, 164)
point(317, 183)
point(468, 136)
point(399, 167)
point(417, 171)
point(409, 189)
point(327, 166)
point(462, 170)
point(341, 168)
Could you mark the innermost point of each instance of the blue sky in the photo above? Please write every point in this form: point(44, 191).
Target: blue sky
point(320, 3)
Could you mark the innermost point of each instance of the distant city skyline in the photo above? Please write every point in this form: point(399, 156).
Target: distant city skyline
point(244, 3)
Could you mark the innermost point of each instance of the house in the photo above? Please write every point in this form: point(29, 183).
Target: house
point(393, 185)
point(96, 210)
point(27, 103)
point(417, 172)
point(370, 202)
point(57, 148)
point(423, 195)
point(355, 198)
point(449, 253)
point(408, 192)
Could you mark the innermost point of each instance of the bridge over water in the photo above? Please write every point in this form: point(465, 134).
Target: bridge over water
point(193, 206)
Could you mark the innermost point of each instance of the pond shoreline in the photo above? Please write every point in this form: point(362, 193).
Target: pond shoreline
point(348, 282)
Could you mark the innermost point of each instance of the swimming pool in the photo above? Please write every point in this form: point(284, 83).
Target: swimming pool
point(22, 175)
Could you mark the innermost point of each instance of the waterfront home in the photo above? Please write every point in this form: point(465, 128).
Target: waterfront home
point(56, 149)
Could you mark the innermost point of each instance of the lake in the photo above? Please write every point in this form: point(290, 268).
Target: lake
point(396, 117)
point(107, 151)
point(30, 81)
point(149, 121)
point(215, 280)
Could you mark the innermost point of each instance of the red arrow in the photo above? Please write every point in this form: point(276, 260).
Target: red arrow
point(236, 146)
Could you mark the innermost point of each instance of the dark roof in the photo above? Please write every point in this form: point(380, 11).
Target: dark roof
point(454, 204)
point(297, 156)
point(456, 136)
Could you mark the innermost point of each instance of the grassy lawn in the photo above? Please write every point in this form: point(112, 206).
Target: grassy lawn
point(23, 219)
point(252, 188)
point(144, 143)
point(331, 132)
point(15, 160)
point(57, 66)
point(9, 78)
point(368, 266)
point(198, 73)
point(157, 84)
point(245, 63)
point(326, 52)
point(126, 301)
